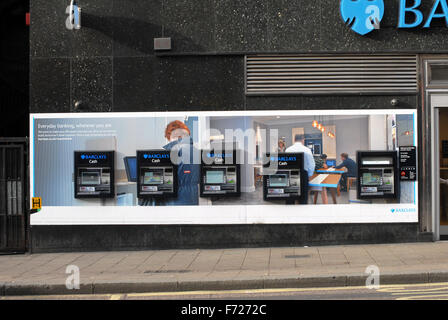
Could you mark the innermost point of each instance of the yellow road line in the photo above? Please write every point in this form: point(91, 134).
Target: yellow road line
point(396, 290)
point(419, 293)
point(426, 297)
point(416, 290)
point(211, 292)
point(280, 290)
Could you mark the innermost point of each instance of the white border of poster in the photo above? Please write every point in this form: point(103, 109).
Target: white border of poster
point(223, 214)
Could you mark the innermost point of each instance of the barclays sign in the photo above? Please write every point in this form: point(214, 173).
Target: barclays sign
point(364, 16)
point(93, 157)
point(156, 156)
point(219, 155)
point(283, 159)
point(404, 210)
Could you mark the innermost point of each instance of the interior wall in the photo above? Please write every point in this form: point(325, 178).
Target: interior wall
point(329, 143)
point(352, 136)
point(378, 132)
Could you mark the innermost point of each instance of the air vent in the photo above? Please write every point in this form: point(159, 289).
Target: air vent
point(331, 74)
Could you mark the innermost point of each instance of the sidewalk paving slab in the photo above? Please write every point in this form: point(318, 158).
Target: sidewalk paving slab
point(223, 269)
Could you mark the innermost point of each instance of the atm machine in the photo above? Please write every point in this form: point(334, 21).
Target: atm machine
point(378, 175)
point(157, 175)
point(283, 177)
point(220, 173)
point(94, 174)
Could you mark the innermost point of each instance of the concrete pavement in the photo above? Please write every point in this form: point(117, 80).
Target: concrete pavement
point(223, 269)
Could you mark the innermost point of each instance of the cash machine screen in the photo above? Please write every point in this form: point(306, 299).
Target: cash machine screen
point(283, 184)
point(377, 181)
point(215, 177)
point(279, 180)
point(156, 180)
point(373, 178)
point(219, 180)
point(93, 181)
point(88, 178)
point(153, 177)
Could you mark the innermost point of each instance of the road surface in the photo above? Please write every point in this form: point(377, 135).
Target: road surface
point(433, 291)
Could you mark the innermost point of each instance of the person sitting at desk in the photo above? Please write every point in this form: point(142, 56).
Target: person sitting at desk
point(351, 170)
point(321, 162)
point(309, 164)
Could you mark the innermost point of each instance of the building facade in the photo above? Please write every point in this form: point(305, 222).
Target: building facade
point(267, 60)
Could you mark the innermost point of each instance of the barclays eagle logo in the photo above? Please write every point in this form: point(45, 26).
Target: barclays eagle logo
point(404, 210)
point(93, 157)
point(362, 16)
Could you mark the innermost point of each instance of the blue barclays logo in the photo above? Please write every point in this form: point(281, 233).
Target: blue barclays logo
point(93, 157)
point(362, 16)
point(156, 156)
point(283, 159)
point(403, 210)
point(219, 155)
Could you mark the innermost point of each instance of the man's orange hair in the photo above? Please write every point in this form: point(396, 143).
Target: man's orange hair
point(174, 126)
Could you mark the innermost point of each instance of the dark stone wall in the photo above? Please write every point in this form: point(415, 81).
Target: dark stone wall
point(139, 237)
point(123, 28)
point(110, 64)
point(14, 70)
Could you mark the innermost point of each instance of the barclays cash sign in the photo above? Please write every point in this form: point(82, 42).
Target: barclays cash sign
point(275, 159)
point(156, 156)
point(364, 16)
point(93, 157)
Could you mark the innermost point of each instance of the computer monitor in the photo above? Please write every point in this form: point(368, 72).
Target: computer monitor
point(130, 164)
point(331, 162)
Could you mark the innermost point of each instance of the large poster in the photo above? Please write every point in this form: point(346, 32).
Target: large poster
point(263, 167)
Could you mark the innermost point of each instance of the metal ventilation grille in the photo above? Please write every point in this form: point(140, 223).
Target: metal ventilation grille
point(331, 74)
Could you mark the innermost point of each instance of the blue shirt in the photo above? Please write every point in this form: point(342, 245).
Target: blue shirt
point(187, 174)
point(352, 167)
